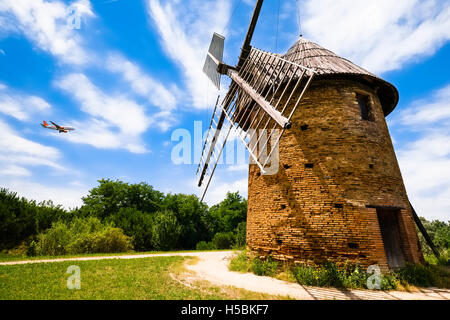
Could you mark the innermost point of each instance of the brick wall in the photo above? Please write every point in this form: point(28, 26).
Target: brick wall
point(311, 215)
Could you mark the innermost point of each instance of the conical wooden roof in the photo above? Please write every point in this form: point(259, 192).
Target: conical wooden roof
point(328, 64)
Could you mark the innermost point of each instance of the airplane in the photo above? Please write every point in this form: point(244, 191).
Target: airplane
point(56, 127)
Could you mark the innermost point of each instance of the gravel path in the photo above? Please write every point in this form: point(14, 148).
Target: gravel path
point(213, 267)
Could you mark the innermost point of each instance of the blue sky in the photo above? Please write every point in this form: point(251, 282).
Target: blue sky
point(130, 76)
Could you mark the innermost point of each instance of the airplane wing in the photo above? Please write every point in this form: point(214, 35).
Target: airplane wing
point(48, 127)
point(57, 127)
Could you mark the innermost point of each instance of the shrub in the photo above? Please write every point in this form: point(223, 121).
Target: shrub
point(354, 277)
point(349, 276)
point(240, 263)
point(416, 274)
point(389, 281)
point(166, 231)
point(111, 240)
point(241, 235)
point(306, 275)
point(203, 245)
point(54, 241)
point(326, 276)
point(331, 276)
point(444, 258)
point(267, 267)
point(137, 225)
point(223, 240)
point(82, 235)
point(31, 250)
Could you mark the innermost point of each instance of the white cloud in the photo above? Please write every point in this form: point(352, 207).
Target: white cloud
point(219, 188)
point(425, 161)
point(186, 31)
point(141, 83)
point(69, 196)
point(380, 35)
point(19, 105)
point(238, 167)
point(163, 97)
point(14, 170)
point(434, 109)
point(117, 121)
point(19, 153)
point(45, 23)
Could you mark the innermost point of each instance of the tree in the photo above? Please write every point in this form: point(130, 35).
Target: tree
point(21, 219)
point(165, 231)
point(439, 233)
point(137, 225)
point(241, 234)
point(191, 215)
point(229, 213)
point(110, 196)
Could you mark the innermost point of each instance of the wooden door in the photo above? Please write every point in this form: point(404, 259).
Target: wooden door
point(388, 220)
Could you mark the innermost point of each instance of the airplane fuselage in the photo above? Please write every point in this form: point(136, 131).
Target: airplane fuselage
point(59, 128)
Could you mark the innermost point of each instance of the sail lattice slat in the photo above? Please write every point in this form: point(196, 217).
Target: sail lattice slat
point(259, 105)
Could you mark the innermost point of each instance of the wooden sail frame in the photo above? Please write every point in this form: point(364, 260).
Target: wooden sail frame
point(264, 93)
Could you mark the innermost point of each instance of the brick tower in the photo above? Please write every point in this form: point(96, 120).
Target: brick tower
point(338, 194)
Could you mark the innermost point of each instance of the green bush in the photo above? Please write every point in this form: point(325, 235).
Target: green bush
point(166, 231)
point(326, 276)
point(354, 276)
point(331, 276)
point(82, 235)
point(135, 224)
point(240, 262)
point(389, 281)
point(31, 250)
point(305, 275)
point(349, 276)
point(241, 235)
point(223, 240)
point(111, 240)
point(203, 245)
point(416, 274)
point(267, 267)
point(444, 258)
point(54, 241)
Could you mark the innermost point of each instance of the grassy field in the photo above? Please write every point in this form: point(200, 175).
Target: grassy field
point(146, 278)
point(5, 257)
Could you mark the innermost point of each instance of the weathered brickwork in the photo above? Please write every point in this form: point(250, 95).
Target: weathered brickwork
point(335, 169)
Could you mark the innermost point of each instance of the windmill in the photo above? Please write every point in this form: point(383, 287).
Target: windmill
point(339, 194)
point(257, 100)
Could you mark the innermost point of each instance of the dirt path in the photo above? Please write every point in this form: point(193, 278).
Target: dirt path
point(213, 267)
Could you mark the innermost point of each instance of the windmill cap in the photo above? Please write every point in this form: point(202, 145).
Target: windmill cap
point(330, 65)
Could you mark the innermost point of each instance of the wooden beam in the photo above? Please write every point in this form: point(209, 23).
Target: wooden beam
point(248, 38)
point(211, 148)
point(424, 232)
point(267, 107)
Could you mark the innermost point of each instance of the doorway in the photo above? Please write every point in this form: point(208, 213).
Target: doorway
point(388, 220)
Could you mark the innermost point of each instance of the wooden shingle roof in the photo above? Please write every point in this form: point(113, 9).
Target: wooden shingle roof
point(328, 64)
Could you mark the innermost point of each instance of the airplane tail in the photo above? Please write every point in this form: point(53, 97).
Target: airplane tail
point(44, 123)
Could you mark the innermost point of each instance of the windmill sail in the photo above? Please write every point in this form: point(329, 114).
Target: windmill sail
point(214, 58)
point(262, 97)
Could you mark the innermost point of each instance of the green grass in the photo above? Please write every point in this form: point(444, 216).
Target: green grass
point(348, 276)
point(5, 257)
point(241, 263)
point(146, 278)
